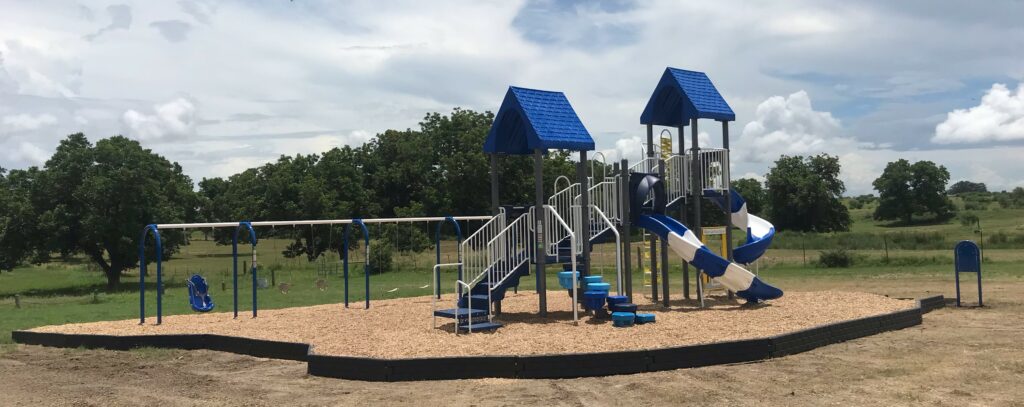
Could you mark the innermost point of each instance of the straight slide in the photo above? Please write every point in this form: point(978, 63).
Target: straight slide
point(733, 276)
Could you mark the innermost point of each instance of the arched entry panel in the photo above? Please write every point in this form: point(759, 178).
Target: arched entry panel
point(366, 264)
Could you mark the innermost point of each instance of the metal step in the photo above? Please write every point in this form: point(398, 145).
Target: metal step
point(461, 313)
point(479, 300)
point(480, 327)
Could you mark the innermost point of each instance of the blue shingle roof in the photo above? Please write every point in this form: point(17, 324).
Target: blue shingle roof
point(530, 119)
point(682, 95)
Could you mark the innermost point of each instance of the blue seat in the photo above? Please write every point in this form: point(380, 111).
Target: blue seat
point(199, 294)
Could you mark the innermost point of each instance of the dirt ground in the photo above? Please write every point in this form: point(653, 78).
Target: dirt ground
point(957, 357)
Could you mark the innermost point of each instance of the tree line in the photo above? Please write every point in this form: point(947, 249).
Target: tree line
point(92, 199)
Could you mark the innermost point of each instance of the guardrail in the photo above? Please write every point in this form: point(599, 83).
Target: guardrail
point(713, 164)
point(475, 257)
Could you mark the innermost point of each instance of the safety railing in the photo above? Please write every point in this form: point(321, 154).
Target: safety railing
point(475, 256)
point(647, 165)
point(714, 168)
point(675, 177)
point(508, 251)
point(605, 195)
point(563, 202)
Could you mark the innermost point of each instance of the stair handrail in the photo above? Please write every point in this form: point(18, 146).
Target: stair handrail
point(469, 314)
point(618, 247)
point(474, 249)
point(437, 288)
point(553, 215)
point(504, 261)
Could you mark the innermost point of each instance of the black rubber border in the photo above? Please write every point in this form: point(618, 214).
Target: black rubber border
point(524, 367)
point(929, 304)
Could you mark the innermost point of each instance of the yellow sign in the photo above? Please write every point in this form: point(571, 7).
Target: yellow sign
point(666, 148)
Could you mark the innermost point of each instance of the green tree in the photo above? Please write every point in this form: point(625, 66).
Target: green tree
point(753, 192)
point(804, 194)
point(95, 200)
point(18, 218)
point(905, 190)
point(962, 187)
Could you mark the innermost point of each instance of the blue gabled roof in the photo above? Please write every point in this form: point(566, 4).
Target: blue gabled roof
point(530, 119)
point(682, 95)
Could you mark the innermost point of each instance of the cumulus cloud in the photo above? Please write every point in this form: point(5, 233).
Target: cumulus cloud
point(25, 152)
point(999, 117)
point(174, 119)
point(789, 125)
point(26, 121)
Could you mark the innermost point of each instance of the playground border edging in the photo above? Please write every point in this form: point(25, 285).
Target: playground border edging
point(525, 367)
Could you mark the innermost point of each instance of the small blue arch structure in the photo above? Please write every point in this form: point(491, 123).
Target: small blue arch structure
point(366, 264)
point(967, 259)
point(142, 273)
point(437, 250)
point(234, 255)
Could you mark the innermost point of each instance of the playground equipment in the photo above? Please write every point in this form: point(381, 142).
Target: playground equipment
point(967, 259)
point(199, 294)
point(597, 208)
point(154, 231)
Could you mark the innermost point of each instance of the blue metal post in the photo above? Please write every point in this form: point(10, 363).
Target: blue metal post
point(142, 273)
point(344, 258)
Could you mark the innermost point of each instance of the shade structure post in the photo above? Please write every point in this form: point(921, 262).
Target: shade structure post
point(540, 218)
point(626, 232)
point(683, 214)
point(584, 219)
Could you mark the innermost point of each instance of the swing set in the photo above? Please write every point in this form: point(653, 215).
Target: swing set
point(153, 231)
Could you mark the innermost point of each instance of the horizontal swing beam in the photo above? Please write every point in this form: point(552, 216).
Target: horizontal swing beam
point(316, 222)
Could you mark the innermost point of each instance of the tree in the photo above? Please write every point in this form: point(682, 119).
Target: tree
point(905, 190)
point(752, 192)
point(804, 194)
point(95, 200)
point(17, 218)
point(963, 187)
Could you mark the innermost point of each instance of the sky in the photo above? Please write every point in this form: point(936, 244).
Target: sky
point(221, 86)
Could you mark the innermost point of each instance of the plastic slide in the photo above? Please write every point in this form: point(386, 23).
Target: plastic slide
point(733, 276)
point(198, 294)
point(759, 231)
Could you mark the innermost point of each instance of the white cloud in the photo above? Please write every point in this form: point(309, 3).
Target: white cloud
point(28, 153)
point(999, 117)
point(789, 125)
point(26, 121)
point(173, 119)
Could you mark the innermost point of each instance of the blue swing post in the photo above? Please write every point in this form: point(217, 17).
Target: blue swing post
point(366, 264)
point(967, 259)
point(234, 255)
point(142, 274)
point(437, 249)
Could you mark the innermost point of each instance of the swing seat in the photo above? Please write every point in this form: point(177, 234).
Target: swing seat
point(199, 294)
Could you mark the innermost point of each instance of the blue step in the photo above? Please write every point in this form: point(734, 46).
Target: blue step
point(479, 301)
point(461, 313)
point(480, 326)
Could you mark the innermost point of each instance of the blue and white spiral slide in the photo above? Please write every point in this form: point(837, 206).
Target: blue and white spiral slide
point(759, 231)
point(686, 244)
